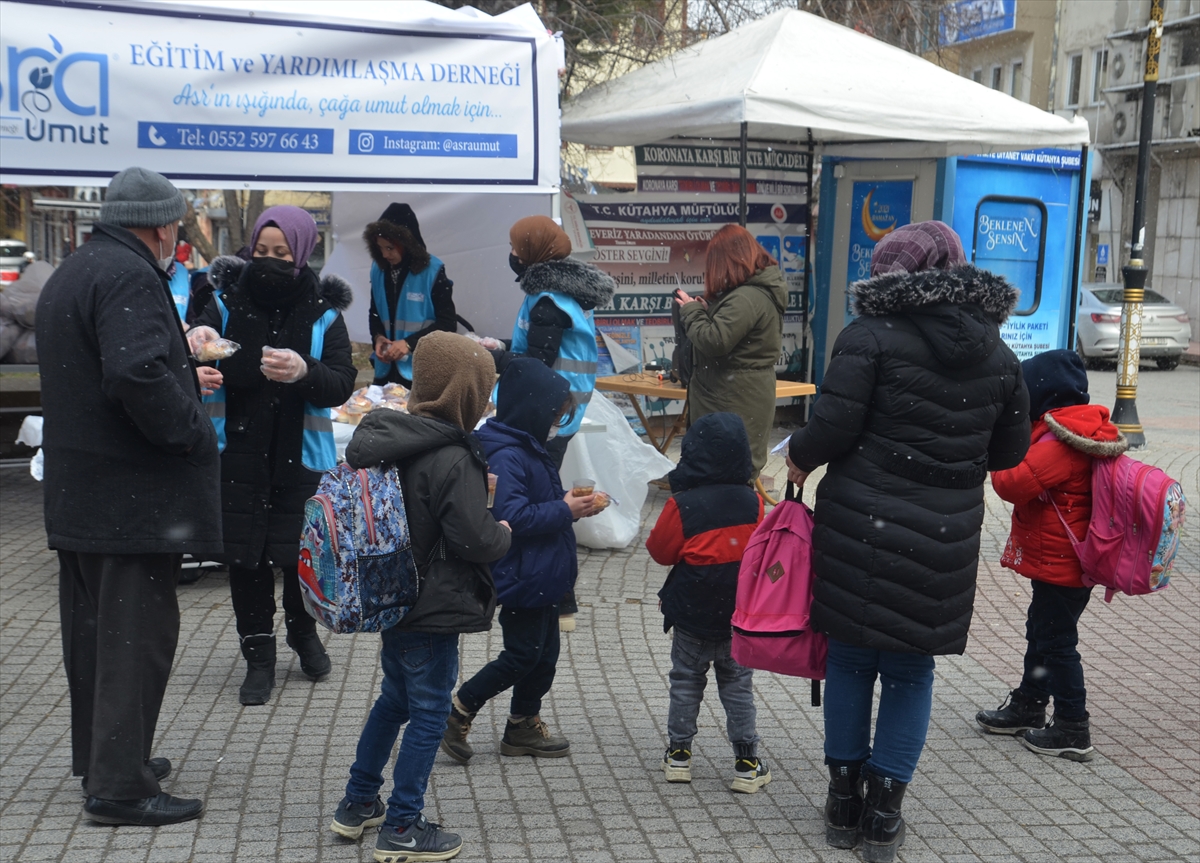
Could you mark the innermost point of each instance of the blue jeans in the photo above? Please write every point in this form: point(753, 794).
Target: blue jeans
point(1052, 663)
point(419, 671)
point(904, 708)
point(690, 658)
point(527, 663)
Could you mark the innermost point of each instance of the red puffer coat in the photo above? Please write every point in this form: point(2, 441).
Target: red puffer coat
point(1038, 546)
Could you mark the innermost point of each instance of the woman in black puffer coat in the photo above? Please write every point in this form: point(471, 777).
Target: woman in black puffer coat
point(277, 437)
point(920, 400)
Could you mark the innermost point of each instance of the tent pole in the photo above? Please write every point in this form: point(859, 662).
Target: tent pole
point(742, 209)
point(809, 245)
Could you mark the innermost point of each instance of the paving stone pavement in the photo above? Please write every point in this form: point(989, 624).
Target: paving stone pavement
point(273, 775)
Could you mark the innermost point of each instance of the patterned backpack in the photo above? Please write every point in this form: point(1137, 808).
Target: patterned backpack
point(1133, 535)
point(357, 572)
point(771, 629)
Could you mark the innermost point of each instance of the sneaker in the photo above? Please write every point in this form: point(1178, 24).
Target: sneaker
point(751, 775)
point(531, 736)
point(1062, 738)
point(677, 764)
point(1018, 713)
point(421, 840)
point(351, 819)
point(454, 738)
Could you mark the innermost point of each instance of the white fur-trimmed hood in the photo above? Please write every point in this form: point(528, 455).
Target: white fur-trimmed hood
point(1086, 445)
point(898, 293)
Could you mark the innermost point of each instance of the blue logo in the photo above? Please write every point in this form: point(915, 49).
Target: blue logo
point(39, 81)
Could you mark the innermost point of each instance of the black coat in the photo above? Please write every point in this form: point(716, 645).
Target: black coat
point(920, 399)
point(131, 457)
point(444, 477)
point(263, 483)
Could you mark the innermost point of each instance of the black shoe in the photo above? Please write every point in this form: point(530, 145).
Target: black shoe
point(160, 767)
point(1019, 712)
point(882, 825)
point(148, 812)
point(421, 840)
point(352, 818)
point(314, 661)
point(1063, 738)
point(259, 651)
point(844, 806)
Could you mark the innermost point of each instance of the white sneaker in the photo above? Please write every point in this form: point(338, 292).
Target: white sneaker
point(751, 775)
point(677, 765)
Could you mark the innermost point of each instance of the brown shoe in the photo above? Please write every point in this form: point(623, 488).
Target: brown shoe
point(531, 736)
point(454, 739)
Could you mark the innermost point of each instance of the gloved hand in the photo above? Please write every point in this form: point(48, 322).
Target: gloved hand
point(283, 365)
point(199, 336)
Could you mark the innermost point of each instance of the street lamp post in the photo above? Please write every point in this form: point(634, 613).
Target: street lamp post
point(1124, 413)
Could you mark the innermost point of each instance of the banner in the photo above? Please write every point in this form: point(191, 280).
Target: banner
point(218, 97)
point(877, 208)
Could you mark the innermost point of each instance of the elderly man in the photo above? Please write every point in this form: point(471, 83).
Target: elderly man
point(132, 483)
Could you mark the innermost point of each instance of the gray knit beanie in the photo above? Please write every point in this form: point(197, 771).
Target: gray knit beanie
point(141, 198)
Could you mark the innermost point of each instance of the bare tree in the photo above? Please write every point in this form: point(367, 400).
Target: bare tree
point(242, 210)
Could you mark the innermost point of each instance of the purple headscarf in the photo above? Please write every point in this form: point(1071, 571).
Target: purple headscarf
point(921, 246)
point(298, 228)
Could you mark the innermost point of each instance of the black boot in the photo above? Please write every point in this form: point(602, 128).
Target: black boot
point(259, 651)
point(1063, 738)
point(314, 661)
point(844, 805)
point(1019, 712)
point(882, 824)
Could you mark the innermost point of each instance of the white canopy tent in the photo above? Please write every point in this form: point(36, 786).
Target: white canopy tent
point(793, 73)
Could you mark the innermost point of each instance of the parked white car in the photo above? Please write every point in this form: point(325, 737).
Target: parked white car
point(1166, 329)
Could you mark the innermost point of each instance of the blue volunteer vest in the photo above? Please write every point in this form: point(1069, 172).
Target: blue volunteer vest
point(577, 354)
point(318, 451)
point(181, 289)
point(414, 313)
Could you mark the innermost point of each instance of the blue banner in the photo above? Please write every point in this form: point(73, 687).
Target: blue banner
point(246, 139)
point(1010, 241)
point(965, 20)
point(386, 142)
point(876, 209)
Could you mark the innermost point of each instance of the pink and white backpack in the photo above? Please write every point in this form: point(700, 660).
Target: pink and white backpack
point(1133, 535)
point(771, 629)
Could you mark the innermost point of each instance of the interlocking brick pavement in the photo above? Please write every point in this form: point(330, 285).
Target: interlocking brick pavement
point(272, 775)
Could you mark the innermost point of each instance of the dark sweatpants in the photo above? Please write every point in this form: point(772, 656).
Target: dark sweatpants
point(253, 594)
point(527, 663)
point(1053, 668)
point(556, 448)
point(120, 625)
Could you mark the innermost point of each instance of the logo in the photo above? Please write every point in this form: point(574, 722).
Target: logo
point(44, 86)
point(779, 213)
point(775, 572)
point(366, 142)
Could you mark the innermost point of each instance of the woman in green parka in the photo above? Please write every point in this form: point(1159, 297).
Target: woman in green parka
point(736, 332)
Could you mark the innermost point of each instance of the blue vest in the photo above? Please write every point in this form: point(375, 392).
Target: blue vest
point(181, 289)
point(414, 314)
point(318, 451)
point(577, 354)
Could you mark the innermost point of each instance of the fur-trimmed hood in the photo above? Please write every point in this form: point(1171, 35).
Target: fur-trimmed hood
point(415, 253)
point(902, 293)
point(1086, 428)
point(226, 272)
point(589, 286)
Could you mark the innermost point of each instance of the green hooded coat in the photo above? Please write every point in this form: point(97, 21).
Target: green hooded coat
point(736, 343)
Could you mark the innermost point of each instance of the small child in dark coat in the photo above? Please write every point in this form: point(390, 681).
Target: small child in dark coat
point(532, 403)
point(702, 535)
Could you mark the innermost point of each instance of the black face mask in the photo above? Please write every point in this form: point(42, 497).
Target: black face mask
point(514, 264)
point(272, 282)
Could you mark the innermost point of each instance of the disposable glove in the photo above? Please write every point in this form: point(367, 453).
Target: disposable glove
point(197, 337)
point(283, 365)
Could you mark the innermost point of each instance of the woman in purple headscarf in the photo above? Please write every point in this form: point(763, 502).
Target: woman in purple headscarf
point(920, 399)
point(272, 420)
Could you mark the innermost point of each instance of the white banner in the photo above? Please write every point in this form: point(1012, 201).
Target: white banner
point(269, 101)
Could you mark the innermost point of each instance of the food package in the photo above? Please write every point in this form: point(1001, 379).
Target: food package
point(486, 342)
point(217, 349)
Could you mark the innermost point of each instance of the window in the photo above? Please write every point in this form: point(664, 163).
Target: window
point(1016, 86)
point(996, 75)
point(977, 76)
point(1099, 74)
point(1074, 79)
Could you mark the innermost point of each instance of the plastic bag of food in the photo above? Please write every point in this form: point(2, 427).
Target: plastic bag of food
point(217, 349)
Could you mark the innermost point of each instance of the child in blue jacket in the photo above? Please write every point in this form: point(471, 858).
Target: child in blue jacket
point(532, 403)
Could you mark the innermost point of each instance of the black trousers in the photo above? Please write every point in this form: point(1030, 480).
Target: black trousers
point(527, 663)
point(120, 626)
point(1053, 668)
point(557, 449)
point(253, 593)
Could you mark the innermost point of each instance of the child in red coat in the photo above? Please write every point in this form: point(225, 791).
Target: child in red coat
point(1067, 435)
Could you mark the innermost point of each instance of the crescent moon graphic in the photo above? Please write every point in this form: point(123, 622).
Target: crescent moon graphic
point(873, 231)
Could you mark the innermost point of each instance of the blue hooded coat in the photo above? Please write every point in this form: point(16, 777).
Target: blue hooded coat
point(541, 564)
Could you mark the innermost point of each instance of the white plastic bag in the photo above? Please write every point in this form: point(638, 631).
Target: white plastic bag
point(621, 464)
point(31, 431)
point(37, 465)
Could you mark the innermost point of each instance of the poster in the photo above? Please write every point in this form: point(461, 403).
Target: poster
point(877, 208)
point(86, 91)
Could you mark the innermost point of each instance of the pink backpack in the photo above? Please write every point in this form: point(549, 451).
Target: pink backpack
point(1133, 534)
point(771, 630)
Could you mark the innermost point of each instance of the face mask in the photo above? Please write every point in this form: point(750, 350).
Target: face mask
point(164, 264)
point(272, 282)
point(514, 264)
